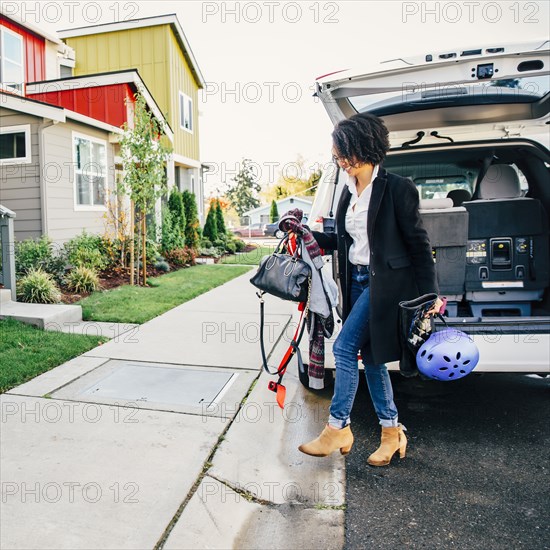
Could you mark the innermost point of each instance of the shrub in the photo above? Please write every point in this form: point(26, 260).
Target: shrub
point(175, 205)
point(206, 243)
point(240, 244)
point(219, 243)
point(162, 266)
point(87, 250)
point(181, 256)
point(211, 252)
point(220, 222)
point(82, 279)
point(273, 212)
point(231, 247)
point(152, 251)
point(116, 251)
point(210, 229)
point(39, 254)
point(38, 287)
point(171, 236)
point(192, 226)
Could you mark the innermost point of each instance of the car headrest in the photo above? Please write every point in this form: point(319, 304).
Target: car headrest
point(501, 181)
point(458, 196)
point(435, 204)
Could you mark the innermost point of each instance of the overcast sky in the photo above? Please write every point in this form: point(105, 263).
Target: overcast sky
point(260, 60)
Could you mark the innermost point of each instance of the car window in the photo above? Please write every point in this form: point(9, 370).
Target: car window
point(415, 96)
point(439, 187)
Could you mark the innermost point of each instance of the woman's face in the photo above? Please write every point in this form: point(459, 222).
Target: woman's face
point(352, 167)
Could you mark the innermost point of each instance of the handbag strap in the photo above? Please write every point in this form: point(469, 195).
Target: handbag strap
point(293, 348)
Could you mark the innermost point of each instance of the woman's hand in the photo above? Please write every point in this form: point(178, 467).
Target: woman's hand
point(436, 307)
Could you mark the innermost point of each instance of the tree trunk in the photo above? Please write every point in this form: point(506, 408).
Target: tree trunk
point(138, 249)
point(132, 257)
point(144, 255)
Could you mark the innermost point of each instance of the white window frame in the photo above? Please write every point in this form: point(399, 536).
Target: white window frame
point(3, 86)
point(88, 207)
point(28, 153)
point(186, 107)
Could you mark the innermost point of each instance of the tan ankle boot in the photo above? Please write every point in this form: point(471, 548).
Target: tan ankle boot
point(329, 440)
point(393, 440)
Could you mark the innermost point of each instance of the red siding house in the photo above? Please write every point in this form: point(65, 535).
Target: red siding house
point(50, 122)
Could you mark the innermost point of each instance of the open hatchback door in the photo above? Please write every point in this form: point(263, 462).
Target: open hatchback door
point(470, 128)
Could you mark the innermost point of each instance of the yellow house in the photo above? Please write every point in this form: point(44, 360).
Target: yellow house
point(158, 49)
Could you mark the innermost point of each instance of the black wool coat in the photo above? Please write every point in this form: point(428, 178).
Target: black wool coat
point(401, 263)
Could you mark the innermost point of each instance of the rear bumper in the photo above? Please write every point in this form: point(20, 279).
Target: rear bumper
point(520, 353)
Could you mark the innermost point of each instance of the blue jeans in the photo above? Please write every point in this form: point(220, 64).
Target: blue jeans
point(354, 337)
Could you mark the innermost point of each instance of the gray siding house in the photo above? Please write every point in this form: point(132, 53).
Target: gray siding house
point(261, 214)
point(55, 168)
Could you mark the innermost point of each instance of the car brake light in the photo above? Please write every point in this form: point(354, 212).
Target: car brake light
point(328, 74)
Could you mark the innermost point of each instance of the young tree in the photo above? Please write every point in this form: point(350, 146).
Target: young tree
point(243, 193)
point(191, 220)
point(143, 158)
point(220, 222)
point(274, 212)
point(210, 230)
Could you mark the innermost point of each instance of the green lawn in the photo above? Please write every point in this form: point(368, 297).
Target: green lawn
point(249, 258)
point(27, 351)
point(132, 304)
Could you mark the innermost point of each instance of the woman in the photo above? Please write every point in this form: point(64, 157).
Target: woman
point(384, 257)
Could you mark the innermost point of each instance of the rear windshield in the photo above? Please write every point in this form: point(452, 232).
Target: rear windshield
point(517, 90)
point(435, 181)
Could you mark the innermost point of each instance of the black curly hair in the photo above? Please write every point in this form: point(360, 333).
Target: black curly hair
point(361, 138)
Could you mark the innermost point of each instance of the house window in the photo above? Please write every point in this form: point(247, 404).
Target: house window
point(15, 144)
point(65, 71)
point(186, 112)
point(12, 70)
point(90, 162)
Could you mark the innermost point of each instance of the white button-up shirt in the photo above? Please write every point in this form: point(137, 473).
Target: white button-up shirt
point(356, 221)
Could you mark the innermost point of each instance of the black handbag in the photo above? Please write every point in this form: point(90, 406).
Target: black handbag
point(283, 275)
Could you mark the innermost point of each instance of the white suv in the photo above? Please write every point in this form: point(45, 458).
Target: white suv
point(471, 129)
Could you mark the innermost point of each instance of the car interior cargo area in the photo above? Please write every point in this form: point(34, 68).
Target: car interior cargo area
point(486, 209)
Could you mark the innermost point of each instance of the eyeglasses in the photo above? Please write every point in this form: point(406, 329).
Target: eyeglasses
point(336, 158)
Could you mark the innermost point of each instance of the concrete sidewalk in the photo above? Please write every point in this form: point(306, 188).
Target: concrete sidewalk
point(161, 438)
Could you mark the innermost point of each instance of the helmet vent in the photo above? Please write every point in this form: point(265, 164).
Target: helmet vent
point(443, 368)
point(451, 374)
point(430, 357)
point(455, 366)
point(462, 371)
point(466, 362)
point(458, 356)
point(423, 353)
point(446, 359)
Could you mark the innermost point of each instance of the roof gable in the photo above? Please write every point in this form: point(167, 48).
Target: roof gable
point(133, 24)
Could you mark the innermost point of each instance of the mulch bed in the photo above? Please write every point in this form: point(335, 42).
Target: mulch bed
point(108, 280)
point(116, 277)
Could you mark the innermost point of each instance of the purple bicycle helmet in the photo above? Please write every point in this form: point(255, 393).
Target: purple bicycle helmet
point(448, 354)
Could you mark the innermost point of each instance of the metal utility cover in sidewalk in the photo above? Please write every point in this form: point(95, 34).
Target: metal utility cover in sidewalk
point(135, 382)
point(161, 386)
